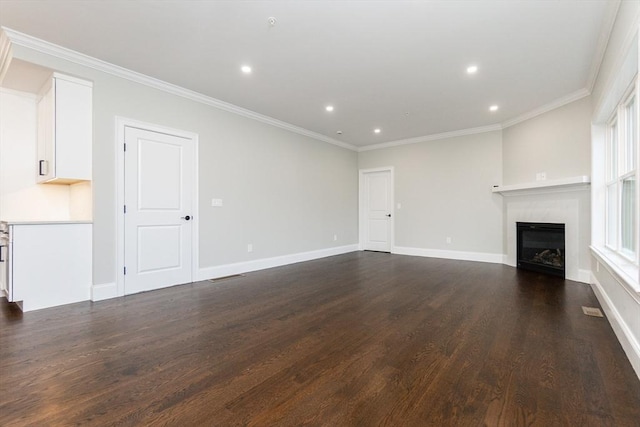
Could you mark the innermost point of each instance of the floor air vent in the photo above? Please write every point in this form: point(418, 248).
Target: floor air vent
point(220, 279)
point(592, 311)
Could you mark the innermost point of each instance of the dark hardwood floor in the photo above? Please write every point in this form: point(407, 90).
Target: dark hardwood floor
point(361, 339)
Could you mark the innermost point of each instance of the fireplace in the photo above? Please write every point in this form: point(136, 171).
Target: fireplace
point(540, 247)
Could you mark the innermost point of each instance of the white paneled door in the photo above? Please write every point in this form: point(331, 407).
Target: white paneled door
point(158, 220)
point(378, 205)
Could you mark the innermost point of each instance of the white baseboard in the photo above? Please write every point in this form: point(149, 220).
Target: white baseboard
point(458, 255)
point(104, 291)
point(629, 344)
point(261, 264)
point(584, 276)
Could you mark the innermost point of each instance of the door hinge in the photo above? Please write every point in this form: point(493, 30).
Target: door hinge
point(125, 271)
point(125, 208)
point(125, 147)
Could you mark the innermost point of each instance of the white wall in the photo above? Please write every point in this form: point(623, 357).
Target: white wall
point(283, 192)
point(444, 187)
point(556, 142)
point(620, 301)
point(20, 197)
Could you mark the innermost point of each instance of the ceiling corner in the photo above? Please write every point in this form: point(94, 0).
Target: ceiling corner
point(603, 40)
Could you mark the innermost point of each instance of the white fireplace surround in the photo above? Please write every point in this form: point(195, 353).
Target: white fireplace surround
point(563, 202)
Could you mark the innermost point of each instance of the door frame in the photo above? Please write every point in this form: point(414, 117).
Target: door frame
point(121, 124)
point(362, 220)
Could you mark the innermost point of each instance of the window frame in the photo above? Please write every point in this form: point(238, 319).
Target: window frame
point(621, 145)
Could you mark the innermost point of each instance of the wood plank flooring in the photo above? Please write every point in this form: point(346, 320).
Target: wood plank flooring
point(362, 339)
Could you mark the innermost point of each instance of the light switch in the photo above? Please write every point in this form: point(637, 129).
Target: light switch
point(216, 202)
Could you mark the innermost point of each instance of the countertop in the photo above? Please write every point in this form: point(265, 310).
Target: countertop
point(10, 222)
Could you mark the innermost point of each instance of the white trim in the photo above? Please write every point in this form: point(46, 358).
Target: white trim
point(434, 137)
point(6, 54)
point(48, 48)
point(603, 40)
point(10, 36)
point(584, 276)
point(560, 102)
point(629, 344)
point(606, 104)
point(624, 271)
point(361, 205)
point(264, 263)
point(122, 123)
point(447, 254)
point(539, 187)
point(104, 291)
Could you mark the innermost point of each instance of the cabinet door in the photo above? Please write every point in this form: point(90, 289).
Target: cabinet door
point(64, 131)
point(73, 130)
point(45, 162)
point(51, 264)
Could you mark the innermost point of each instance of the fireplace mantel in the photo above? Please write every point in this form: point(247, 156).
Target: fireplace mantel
point(547, 186)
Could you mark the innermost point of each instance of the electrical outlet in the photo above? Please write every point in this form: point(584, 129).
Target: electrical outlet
point(448, 239)
point(541, 176)
point(250, 247)
point(399, 205)
point(335, 237)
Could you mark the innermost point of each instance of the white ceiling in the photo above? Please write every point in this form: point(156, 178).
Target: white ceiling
point(396, 65)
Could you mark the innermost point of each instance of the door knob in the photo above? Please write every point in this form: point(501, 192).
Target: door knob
point(186, 218)
point(389, 215)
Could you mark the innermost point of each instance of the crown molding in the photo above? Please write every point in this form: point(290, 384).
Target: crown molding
point(603, 40)
point(5, 54)
point(9, 37)
point(604, 101)
point(434, 137)
point(472, 131)
point(579, 94)
point(24, 40)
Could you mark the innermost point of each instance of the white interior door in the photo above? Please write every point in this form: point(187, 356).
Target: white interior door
point(158, 218)
point(378, 206)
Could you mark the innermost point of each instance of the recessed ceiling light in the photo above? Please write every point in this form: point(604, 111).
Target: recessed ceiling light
point(246, 69)
point(493, 108)
point(329, 108)
point(377, 130)
point(472, 69)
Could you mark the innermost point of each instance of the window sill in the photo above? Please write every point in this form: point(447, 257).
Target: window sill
point(625, 271)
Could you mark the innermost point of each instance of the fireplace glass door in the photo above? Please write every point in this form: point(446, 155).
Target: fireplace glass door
point(541, 247)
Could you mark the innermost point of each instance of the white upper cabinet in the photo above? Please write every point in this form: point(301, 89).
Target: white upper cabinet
point(64, 130)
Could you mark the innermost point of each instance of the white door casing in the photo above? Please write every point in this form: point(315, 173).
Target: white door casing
point(158, 185)
point(376, 209)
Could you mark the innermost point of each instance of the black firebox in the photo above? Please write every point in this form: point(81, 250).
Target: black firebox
point(541, 247)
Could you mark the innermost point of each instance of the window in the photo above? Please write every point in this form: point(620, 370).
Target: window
point(622, 212)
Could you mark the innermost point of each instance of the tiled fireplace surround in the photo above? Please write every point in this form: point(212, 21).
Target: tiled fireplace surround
point(569, 205)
